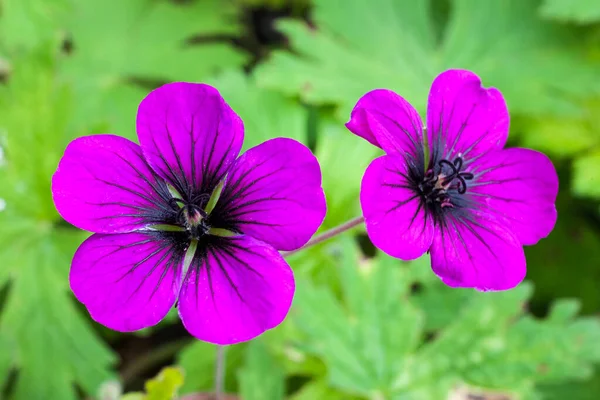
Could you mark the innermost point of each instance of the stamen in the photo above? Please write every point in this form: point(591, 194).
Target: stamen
point(451, 165)
point(435, 186)
point(201, 197)
point(458, 163)
point(174, 202)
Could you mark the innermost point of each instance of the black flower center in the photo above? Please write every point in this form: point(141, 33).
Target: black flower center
point(442, 181)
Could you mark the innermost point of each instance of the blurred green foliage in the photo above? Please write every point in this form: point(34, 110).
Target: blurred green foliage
point(578, 11)
point(361, 327)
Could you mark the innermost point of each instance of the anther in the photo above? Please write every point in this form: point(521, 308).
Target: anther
point(435, 185)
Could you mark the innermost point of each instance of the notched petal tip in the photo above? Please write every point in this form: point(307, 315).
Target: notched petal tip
point(463, 117)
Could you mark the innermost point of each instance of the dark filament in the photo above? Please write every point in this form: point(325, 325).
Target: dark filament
point(456, 174)
point(434, 187)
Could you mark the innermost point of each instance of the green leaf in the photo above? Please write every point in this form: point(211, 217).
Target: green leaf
point(373, 341)
point(318, 389)
point(562, 137)
point(364, 347)
point(48, 331)
point(261, 378)
point(133, 396)
point(359, 46)
point(578, 11)
point(440, 303)
point(120, 45)
point(40, 318)
point(563, 310)
point(198, 361)
point(165, 386)
point(586, 174)
point(575, 390)
point(266, 114)
point(573, 242)
point(6, 357)
point(26, 24)
point(343, 158)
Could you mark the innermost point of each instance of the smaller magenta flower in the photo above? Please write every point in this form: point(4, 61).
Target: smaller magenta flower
point(459, 196)
point(180, 219)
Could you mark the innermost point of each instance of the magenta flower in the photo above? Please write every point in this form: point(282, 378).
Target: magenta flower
point(467, 201)
point(180, 218)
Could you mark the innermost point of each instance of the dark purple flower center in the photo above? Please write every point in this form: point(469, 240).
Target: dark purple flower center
point(192, 216)
point(194, 219)
point(443, 182)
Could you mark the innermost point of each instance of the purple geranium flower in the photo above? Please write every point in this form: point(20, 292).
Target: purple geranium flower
point(180, 218)
point(467, 201)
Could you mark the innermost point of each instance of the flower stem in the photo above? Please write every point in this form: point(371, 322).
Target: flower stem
point(219, 372)
point(328, 234)
point(220, 361)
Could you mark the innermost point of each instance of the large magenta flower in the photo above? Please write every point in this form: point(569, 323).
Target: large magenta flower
point(181, 218)
point(467, 201)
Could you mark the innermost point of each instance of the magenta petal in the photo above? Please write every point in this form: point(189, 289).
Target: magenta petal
point(463, 117)
point(189, 135)
point(103, 184)
point(477, 252)
point(388, 121)
point(273, 193)
point(396, 220)
point(238, 290)
point(520, 185)
point(127, 281)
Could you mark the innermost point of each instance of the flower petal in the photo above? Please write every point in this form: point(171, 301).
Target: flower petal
point(127, 281)
point(388, 121)
point(103, 184)
point(477, 252)
point(463, 117)
point(396, 219)
point(273, 193)
point(189, 135)
point(236, 288)
point(520, 185)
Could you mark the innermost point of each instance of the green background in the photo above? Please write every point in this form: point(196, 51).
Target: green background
point(363, 325)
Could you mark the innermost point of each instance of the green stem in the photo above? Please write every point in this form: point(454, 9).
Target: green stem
point(328, 234)
point(220, 372)
point(220, 361)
